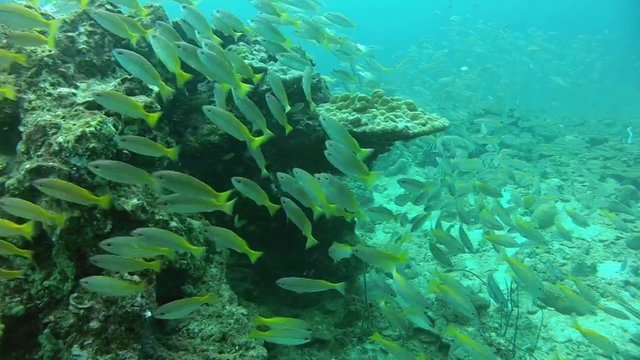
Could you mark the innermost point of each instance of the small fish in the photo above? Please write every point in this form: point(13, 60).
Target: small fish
point(465, 239)
point(109, 286)
point(258, 156)
point(449, 241)
point(27, 38)
point(314, 189)
point(489, 220)
point(297, 216)
point(273, 47)
point(126, 106)
point(7, 58)
point(529, 231)
point(242, 68)
point(562, 230)
point(577, 218)
point(474, 349)
point(307, 80)
point(189, 54)
point(279, 322)
point(124, 265)
point(398, 352)
point(526, 278)
point(495, 292)
point(338, 19)
point(303, 285)
point(294, 61)
point(381, 213)
point(166, 238)
point(276, 109)
point(383, 260)
point(418, 221)
point(222, 70)
point(198, 21)
point(339, 251)
point(407, 292)
point(457, 299)
point(67, 191)
point(440, 255)
point(349, 164)
point(168, 32)
point(228, 239)
point(187, 204)
point(488, 189)
point(166, 51)
point(19, 17)
point(28, 210)
point(11, 274)
point(617, 222)
point(189, 185)
point(114, 24)
point(133, 5)
point(228, 123)
point(290, 185)
point(598, 340)
point(504, 240)
point(136, 65)
point(283, 336)
point(8, 249)
point(253, 191)
point(270, 32)
point(339, 193)
point(182, 308)
point(132, 247)
point(145, 146)
point(134, 26)
point(278, 89)
point(121, 172)
point(338, 133)
point(252, 113)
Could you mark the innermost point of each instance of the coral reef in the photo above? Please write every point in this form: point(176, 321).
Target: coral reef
point(56, 129)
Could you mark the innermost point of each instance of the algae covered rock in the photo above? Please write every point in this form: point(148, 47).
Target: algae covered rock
point(378, 118)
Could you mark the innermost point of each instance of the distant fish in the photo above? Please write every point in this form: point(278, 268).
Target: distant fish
point(339, 251)
point(168, 239)
point(28, 210)
point(182, 308)
point(67, 191)
point(253, 191)
point(145, 146)
point(305, 285)
point(122, 264)
point(109, 286)
point(9, 249)
point(227, 239)
point(126, 106)
point(297, 216)
point(282, 336)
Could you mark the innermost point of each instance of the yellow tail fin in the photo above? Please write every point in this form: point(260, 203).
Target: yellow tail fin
point(152, 119)
point(182, 78)
point(28, 229)
point(173, 153)
point(104, 202)
point(166, 92)
point(53, 31)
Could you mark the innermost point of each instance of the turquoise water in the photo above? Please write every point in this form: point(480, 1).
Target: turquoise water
point(460, 180)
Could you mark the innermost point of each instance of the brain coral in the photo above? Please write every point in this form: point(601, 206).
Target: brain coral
point(378, 118)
